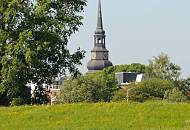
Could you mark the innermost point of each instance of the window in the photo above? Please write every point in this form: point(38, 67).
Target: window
point(99, 40)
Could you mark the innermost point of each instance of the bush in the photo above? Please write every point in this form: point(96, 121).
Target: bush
point(4, 101)
point(89, 88)
point(184, 85)
point(39, 96)
point(120, 95)
point(17, 102)
point(146, 90)
point(175, 95)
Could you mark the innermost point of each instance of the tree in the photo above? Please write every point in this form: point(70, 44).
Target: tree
point(184, 86)
point(134, 67)
point(147, 89)
point(162, 67)
point(94, 87)
point(33, 43)
point(39, 96)
point(175, 95)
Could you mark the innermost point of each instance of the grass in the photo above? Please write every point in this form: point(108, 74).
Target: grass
point(100, 116)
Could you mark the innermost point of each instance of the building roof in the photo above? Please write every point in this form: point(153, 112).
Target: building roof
point(125, 78)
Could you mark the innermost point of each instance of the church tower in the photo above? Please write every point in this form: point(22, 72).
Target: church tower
point(99, 54)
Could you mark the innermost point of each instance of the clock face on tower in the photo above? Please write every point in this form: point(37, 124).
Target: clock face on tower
point(105, 55)
point(93, 55)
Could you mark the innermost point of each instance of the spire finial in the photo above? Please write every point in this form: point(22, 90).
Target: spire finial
point(99, 20)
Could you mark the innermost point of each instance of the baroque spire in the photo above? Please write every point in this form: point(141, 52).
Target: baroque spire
point(99, 54)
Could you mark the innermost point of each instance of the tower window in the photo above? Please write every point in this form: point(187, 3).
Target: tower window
point(99, 40)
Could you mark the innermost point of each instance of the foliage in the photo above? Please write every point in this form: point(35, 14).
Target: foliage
point(3, 100)
point(151, 88)
point(134, 67)
point(33, 43)
point(120, 95)
point(146, 90)
point(39, 96)
point(184, 86)
point(92, 87)
point(14, 93)
point(95, 87)
point(17, 102)
point(162, 67)
point(175, 95)
point(77, 90)
point(99, 116)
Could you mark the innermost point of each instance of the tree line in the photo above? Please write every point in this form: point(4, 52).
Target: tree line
point(162, 82)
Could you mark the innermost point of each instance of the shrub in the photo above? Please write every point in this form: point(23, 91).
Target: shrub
point(17, 102)
point(184, 85)
point(154, 87)
point(89, 88)
point(146, 90)
point(4, 101)
point(175, 95)
point(120, 95)
point(39, 96)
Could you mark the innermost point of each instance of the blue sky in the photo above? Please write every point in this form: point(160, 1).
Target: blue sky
point(137, 30)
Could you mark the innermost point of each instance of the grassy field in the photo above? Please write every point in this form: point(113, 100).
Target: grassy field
point(101, 116)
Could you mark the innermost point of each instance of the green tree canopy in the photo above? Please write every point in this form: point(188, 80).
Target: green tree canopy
point(184, 86)
point(34, 36)
point(134, 67)
point(93, 87)
point(152, 88)
point(162, 67)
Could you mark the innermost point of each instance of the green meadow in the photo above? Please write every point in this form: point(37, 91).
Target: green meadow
point(100, 116)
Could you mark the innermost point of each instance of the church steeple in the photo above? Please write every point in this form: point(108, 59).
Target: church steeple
point(99, 18)
point(99, 36)
point(99, 54)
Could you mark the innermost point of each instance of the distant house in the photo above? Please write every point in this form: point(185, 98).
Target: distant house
point(125, 78)
point(54, 89)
